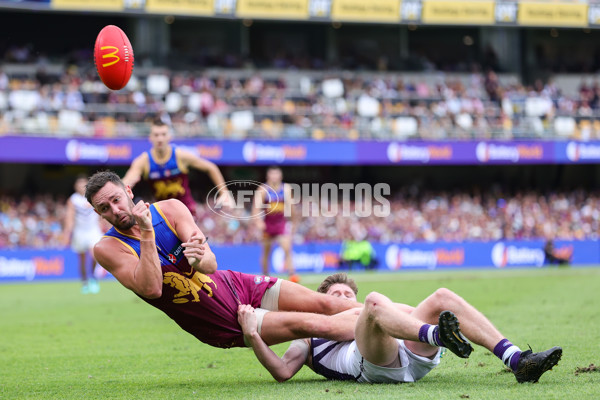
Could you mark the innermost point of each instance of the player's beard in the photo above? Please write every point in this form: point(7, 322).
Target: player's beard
point(128, 222)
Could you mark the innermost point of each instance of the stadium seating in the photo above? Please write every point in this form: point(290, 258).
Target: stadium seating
point(433, 216)
point(297, 105)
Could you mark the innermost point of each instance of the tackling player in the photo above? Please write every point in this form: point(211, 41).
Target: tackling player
point(396, 343)
point(166, 167)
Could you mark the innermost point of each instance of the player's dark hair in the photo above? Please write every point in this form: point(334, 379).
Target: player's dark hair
point(97, 182)
point(273, 167)
point(158, 122)
point(340, 277)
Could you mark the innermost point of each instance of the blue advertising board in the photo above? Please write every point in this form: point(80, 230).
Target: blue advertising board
point(40, 265)
point(28, 149)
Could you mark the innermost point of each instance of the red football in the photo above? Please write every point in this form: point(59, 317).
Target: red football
point(113, 57)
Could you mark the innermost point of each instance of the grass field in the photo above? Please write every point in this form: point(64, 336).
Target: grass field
point(58, 344)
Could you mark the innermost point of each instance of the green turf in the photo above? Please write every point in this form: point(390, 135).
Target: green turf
point(57, 344)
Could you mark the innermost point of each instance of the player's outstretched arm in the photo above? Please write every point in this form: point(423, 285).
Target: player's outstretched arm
point(211, 169)
point(197, 250)
point(208, 167)
point(142, 275)
point(136, 170)
point(282, 368)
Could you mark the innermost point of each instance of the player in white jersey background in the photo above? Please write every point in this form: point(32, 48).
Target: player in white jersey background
point(82, 230)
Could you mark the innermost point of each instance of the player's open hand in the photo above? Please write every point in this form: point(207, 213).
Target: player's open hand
point(247, 319)
point(195, 248)
point(142, 215)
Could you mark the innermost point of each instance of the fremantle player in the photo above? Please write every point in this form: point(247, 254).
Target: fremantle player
point(159, 253)
point(395, 343)
point(82, 230)
point(166, 168)
point(275, 227)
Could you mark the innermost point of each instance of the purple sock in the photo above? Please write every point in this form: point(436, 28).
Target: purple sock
point(508, 353)
point(430, 334)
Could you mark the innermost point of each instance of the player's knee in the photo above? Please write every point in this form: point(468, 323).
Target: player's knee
point(372, 301)
point(444, 298)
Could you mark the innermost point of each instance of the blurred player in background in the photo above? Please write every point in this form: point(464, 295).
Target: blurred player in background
point(166, 168)
point(82, 230)
point(377, 355)
point(275, 227)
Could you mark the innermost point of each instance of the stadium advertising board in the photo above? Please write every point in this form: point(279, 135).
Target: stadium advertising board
point(535, 13)
point(273, 9)
point(183, 7)
point(578, 152)
point(29, 265)
point(514, 152)
point(299, 152)
point(324, 258)
point(455, 153)
point(89, 5)
point(36, 265)
point(366, 11)
point(458, 12)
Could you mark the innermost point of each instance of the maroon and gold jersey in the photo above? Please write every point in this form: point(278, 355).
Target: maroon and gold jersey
point(275, 220)
point(203, 305)
point(169, 181)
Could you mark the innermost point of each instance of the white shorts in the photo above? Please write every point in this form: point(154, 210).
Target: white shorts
point(413, 367)
point(83, 240)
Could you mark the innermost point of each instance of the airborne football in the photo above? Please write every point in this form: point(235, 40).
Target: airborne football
point(113, 56)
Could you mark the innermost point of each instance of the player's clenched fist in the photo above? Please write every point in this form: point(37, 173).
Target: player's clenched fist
point(141, 214)
point(194, 248)
point(247, 319)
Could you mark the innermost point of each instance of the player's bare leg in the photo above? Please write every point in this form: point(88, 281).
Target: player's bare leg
point(279, 327)
point(82, 267)
point(527, 366)
point(285, 241)
point(473, 324)
point(380, 323)
point(266, 253)
point(93, 285)
point(294, 297)
point(83, 274)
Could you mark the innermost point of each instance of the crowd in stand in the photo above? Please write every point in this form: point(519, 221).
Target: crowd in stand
point(36, 222)
point(31, 222)
point(295, 105)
